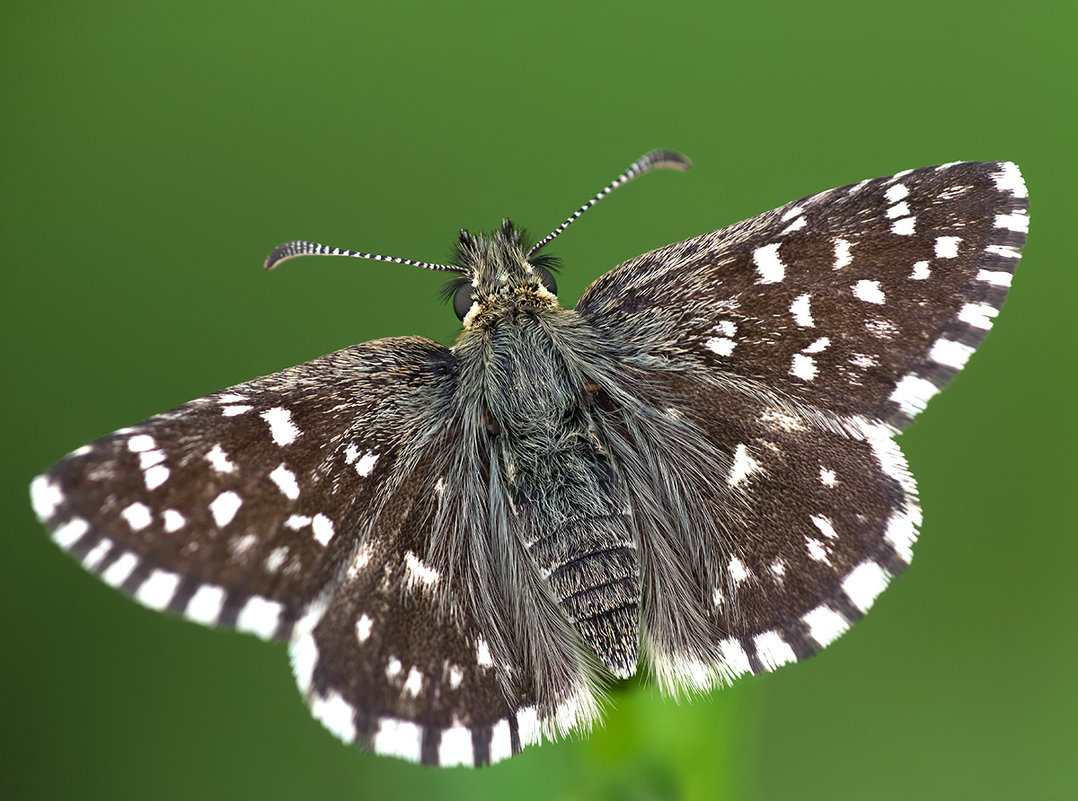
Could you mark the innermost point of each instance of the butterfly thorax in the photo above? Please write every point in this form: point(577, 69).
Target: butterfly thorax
point(564, 498)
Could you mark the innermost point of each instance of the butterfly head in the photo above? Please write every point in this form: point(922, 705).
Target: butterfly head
point(500, 277)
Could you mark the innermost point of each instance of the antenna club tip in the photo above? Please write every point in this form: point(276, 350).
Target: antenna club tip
point(670, 159)
point(279, 254)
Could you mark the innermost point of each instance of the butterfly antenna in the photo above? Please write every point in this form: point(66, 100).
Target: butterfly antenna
point(290, 250)
point(666, 159)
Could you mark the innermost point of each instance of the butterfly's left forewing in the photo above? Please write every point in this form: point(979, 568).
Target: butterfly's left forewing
point(237, 509)
point(866, 299)
point(774, 360)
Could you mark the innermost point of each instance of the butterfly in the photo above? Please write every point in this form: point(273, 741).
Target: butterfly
point(693, 473)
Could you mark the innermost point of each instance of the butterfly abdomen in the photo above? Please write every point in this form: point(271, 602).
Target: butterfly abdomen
point(565, 496)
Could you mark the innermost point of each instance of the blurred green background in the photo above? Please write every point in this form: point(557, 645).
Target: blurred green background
point(154, 153)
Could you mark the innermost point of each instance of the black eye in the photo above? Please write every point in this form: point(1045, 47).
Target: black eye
point(463, 299)
point(548, 280)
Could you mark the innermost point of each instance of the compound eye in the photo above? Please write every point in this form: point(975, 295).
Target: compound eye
point(463, 299)
point(548, 280)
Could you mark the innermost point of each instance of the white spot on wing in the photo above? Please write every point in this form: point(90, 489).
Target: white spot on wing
point(276, 558)
point(418, 574)
point(482, 653)
point(140, 443)
point(501, 746)
point(219, 460)
point(825, 625)
point(296, 522)
point(285, 480)
point(744, 466)
point(768, 265)
point(232, 411)
point(720, 345)
point(950, 354)
point(947, 246)
point(399, 738)
point(117, 573)
point(96, 554)
point(901, 531)
point(994, 277)
point(804, 367)
point(898, 210)
point(773, 650)
point(912, 393)
point(896, 192)
point(1009, 179)
point(801, 312)
point(303, 650)
point(45, 497)
point(738, 571)
point(920, 271)
point(827, 477)
point(137, 516)
point(1006, 251)
point(413, 685)
point(337, 715)
point(147, 459)
point(1015, 221)
point(322, 528)
point(796, 225)
point(157, 591)
point(793, 211)
point(224, 507)
point(818, 346)
point(282, 429)
point(816, 550)
point(363, 628)
point(842, 254)
point(155, 476)
point(366, 464)
point(868, 291)
point(456, 747)
point(70, 532)
point(904, 227)
point(456, 676)
point(979, 315)
point(393, 668)
point(881, 329)
point(823, 523)
point(866, 582)
point(260, 617)
point(735, 660)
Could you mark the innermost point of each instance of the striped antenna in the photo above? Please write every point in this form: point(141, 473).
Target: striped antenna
point(290, 250)
point(666, 159)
